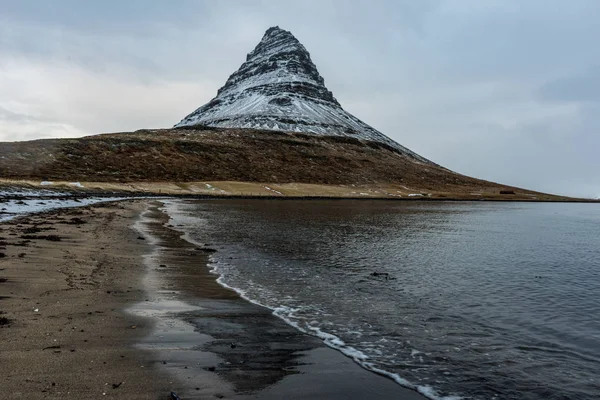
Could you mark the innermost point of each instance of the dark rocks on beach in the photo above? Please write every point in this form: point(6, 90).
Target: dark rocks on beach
point(33, 229)
point(74, 221)
point(507, 192)
point(141, 238)
point(51, 238)
point(4, 321)
point(2, 255)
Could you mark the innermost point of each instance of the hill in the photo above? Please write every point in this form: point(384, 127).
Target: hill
point(246, 161)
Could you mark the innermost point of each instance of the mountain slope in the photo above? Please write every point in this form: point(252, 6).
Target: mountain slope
point(279, 88)
point(245, 158)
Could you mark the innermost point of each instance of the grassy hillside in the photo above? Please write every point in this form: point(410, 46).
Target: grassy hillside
point(235, 155)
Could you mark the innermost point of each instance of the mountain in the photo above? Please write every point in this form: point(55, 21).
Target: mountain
point(274, 129)
point(279, 88)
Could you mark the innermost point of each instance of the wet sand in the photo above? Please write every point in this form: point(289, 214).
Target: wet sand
point(135, 313)
point(68, 276)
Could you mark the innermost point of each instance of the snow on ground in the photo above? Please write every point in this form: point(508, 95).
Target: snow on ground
point(272, 190)
point(12, 208)
point(6, 192)
point(279, 88)
point(212, 188)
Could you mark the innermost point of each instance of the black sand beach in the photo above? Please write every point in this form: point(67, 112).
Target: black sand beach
point(100, 312)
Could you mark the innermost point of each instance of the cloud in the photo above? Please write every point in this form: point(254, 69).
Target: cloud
point(579, 87)
point(58, 100)
point(502, 90)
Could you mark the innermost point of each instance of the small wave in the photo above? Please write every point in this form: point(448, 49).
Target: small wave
point(286, 314)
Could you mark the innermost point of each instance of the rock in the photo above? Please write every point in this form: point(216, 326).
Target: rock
point(379, 274)
point(279, 88)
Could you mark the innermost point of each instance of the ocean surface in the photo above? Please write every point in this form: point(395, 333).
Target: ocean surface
point(458, 300)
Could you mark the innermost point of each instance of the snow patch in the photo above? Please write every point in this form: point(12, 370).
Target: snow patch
point(273, 190)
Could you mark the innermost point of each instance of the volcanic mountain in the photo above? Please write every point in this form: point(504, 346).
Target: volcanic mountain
point(273, 129)
point(279, 88)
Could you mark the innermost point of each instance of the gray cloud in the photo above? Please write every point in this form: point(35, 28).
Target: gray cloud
point(502, 90)
point(579, 87)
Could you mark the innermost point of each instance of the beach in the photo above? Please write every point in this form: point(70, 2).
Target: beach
point(108, 300)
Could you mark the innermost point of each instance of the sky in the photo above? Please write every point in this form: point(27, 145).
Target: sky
point(507, 91)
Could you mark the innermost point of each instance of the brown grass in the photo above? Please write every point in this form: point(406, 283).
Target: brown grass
point(240, 161)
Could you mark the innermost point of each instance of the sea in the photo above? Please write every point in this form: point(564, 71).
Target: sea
point(471, 300)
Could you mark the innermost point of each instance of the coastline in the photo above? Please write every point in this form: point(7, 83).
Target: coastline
point(12, 188)
point(237, 349)
point(77, 287)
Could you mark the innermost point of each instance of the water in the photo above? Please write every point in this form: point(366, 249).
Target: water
point(477, 300)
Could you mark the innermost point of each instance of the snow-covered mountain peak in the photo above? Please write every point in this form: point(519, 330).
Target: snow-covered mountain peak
point(280, 88)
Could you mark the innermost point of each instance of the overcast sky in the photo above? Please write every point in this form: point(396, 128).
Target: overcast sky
point(508, 91)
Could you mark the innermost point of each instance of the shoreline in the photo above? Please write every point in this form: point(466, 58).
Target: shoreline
point(244, 350)
point(78, 296)
point(275, 191)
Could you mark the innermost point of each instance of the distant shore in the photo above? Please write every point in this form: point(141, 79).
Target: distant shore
point(78, 288)
point(278, 191)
